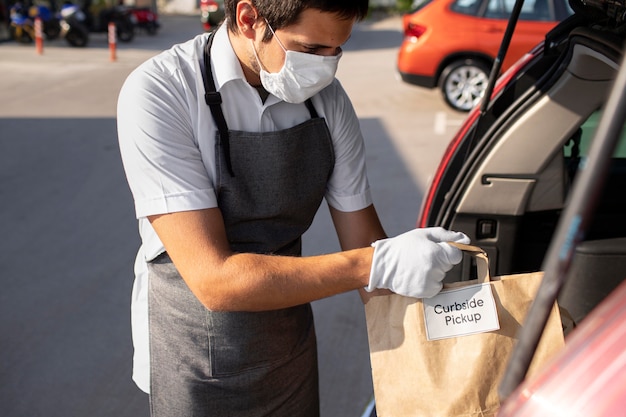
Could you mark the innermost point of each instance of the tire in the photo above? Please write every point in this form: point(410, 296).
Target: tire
point(76, 37)
point(52, 30)
point(463, 83)
point(151, 28)
point(21, 34)
point(125, 31)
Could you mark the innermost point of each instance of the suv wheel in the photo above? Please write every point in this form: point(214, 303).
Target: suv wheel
point(463, 83)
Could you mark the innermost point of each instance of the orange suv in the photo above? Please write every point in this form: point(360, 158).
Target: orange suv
point(452, 44)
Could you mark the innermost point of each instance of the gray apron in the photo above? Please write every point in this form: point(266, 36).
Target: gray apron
point(270, 185)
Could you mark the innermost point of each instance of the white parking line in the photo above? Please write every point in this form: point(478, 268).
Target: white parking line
point(442, 123)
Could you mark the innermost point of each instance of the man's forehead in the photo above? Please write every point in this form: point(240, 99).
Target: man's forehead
point(321, 29)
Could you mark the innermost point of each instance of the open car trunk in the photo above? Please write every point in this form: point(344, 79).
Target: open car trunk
point(513, 184)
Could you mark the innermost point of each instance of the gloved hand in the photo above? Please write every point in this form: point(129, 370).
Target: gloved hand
point(414, 263)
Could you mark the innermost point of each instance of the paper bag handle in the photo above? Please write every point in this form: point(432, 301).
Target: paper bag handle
point(482, 262)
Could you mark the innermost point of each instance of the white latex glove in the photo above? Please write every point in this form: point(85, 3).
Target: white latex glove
point(414, 263)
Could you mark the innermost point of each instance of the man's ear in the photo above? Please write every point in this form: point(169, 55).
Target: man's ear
point(247, 19)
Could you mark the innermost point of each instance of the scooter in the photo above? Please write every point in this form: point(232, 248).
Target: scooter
point(73, 25)
point(22, 26)
point(98, 17)
point(23, 22)
point(51, 25)
point(145, 19)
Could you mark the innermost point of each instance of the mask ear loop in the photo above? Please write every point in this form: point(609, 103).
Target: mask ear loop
point(256, 55)
point(275, 37)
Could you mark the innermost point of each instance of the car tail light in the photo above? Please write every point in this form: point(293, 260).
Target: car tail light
point(427, 203)
point(414, 30)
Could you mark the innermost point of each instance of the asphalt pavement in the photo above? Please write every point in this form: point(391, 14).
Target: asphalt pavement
point(70, 237)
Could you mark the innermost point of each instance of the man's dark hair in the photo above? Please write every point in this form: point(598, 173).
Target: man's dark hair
point(282, 13)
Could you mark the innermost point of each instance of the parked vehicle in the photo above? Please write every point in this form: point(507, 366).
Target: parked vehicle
point(99, 13)
point(22, 22)
point(145, 19)
point(69, 23)
point(506, 176)
point(452, 44)
point(50, 21)
point(74, 25)
point(54, 25)
point(211, 14)
point(21, 25)
point(509, 180)
point(588, 378)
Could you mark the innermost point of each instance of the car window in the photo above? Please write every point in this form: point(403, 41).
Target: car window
point(608, 216)
point(418, 4)
point(579, 145)
point(562, 9)
point(469, 7)
point(535, 10)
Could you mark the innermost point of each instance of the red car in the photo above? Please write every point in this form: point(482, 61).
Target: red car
point(452, 44)
point(536, 177)
point(589, 377)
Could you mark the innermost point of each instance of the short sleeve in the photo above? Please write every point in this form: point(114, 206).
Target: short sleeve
point(348, 188)
point(160, 153)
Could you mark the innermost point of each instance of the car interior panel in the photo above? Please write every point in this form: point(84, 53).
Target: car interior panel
point(597, 269)
point(511, 201)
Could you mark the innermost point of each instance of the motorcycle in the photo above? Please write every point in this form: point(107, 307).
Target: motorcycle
point(67, 23)
point(98, 17)
point(145, 19)
point(50, 21)
point(23, 26)
point(73, 25)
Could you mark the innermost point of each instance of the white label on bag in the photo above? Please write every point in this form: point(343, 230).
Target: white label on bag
point(460, 312)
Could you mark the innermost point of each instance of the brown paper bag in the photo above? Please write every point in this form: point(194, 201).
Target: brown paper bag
point(456, 376)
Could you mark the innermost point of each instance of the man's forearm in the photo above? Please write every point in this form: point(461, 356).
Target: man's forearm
point(251, 282)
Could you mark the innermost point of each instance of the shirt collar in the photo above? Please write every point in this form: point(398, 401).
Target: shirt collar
point(224, 61)
point(226, 66)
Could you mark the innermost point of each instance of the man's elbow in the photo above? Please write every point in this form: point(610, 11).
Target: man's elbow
point(214, 294)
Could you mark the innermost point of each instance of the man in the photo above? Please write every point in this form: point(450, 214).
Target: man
point(230, 142)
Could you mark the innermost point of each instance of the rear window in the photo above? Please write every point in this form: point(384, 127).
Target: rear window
point(469, 7)
point(419, 4)
point(532, 10)
point(536, 10)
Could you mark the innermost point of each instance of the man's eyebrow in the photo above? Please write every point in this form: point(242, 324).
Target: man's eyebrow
point(314, 46)
point(321, 46)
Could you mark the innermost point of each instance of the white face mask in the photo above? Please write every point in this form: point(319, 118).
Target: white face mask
point(302, 75)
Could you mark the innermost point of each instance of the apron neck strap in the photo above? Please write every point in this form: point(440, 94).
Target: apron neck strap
point(214, 100)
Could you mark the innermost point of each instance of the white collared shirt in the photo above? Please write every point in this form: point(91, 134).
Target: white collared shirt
point(167, 142)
